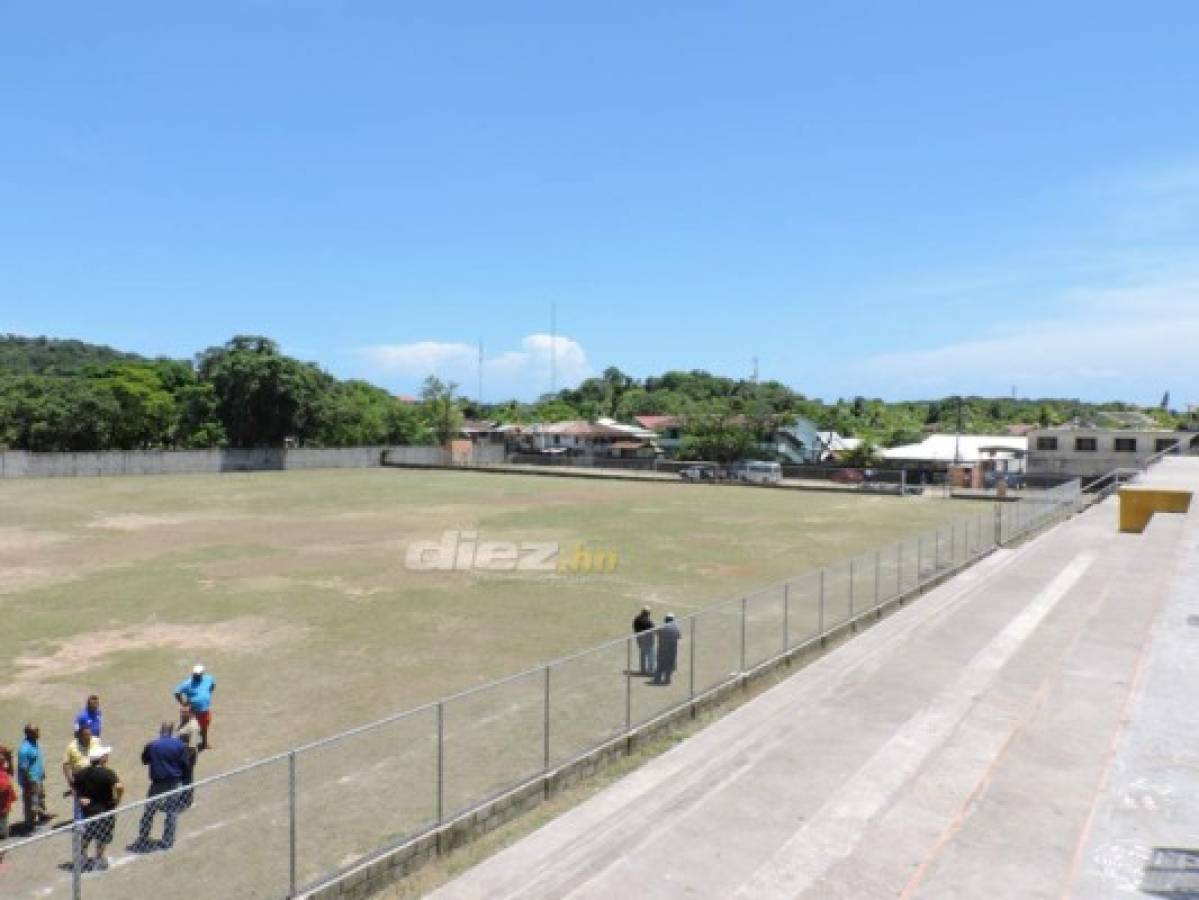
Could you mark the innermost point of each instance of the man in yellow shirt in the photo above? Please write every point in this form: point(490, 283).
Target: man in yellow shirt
point(75, 760)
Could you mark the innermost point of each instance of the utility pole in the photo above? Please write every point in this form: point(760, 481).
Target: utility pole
point(957, 441)
point(480, 394)
point(553, 347)
point(755, 375)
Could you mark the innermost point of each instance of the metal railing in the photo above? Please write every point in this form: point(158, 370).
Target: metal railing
point(1103, 486)
point(293, 822)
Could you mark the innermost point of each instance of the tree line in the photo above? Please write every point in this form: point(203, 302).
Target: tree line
point(246, 393)
point(69, 395)
point(715, 403)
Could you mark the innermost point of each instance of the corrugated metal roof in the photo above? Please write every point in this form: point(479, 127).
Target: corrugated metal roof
point(961, 448)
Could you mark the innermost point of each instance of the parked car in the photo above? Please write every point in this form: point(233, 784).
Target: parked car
point(699, 473)
point(1014, 480)
point(849, 476)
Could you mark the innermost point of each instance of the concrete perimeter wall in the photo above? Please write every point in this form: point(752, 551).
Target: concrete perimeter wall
point(22, 464)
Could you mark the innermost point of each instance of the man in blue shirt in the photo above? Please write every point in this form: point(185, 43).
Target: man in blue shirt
point(168, 761)
point(196, 694)
point(31, 776)
point(90, 716)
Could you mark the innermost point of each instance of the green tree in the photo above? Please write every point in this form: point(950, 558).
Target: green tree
point(146, 413)
point(196, 421)
point(716, 437)
point(263, 397)
point(47, 413)
point(862, 456)
point(441, 412)
point(356, 414)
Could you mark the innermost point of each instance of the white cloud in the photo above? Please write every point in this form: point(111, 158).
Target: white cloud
point(1115, 343)
point(421, 358)
point(1122, 323)
point(522, 372)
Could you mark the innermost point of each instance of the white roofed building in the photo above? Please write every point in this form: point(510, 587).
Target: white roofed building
point(1004, 452)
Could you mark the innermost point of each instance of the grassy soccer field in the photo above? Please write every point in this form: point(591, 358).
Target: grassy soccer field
point(292, 588)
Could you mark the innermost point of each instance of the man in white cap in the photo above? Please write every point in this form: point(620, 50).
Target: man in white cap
point(668, 650)
point(196, 694)
point(100, 791)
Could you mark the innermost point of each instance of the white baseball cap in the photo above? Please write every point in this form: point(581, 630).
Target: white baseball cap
point(198, 669)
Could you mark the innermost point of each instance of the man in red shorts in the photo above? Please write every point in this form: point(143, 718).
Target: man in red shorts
point(196, 694)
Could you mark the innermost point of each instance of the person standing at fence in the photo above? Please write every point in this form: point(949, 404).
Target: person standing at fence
point(643, 628)
point(8, 793)
point(668, 650)
point(100, 791)
point(31, 776)
point(76, 759)
point(196, 694)
point(189, 732)
point(91, 716)
point(168, 761)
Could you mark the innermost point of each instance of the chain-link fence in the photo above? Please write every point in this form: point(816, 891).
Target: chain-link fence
point(286, 824)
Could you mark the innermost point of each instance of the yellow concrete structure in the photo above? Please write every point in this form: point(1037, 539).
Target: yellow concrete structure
point(1138, 504)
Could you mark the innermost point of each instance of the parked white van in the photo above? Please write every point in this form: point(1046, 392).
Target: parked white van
point(756, 471)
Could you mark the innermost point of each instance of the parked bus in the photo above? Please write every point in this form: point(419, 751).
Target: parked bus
point(755, 471)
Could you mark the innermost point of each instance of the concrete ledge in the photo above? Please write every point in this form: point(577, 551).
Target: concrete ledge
point(1138, 504)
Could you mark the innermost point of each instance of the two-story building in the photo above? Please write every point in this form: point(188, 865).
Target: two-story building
point(1091, 452)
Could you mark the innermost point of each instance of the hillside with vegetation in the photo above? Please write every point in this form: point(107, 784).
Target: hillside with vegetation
point(70, 395)
point(47, 356)
point(66, 395)
point(701, 396)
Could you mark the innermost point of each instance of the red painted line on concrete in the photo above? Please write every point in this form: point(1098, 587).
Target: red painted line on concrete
point(984, 784)
point(1130, 697)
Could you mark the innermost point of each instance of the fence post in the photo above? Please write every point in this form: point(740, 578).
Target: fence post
point(821, 619)
point(291, 820)
point(998, 525)
point(851, 567)
point(691, 675)
point(628, 686)
point(786, 615)
point(744, 603)
point(899, 570)
point(953, 546)
point(546, 725)
point(76, 861)
point(919, 558)
point(440, 762)
point(878, 564)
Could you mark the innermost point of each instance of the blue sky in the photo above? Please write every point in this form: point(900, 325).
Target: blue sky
point(896, 200)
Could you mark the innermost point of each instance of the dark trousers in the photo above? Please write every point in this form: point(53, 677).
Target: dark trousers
point(188, 796)
point(169, 807)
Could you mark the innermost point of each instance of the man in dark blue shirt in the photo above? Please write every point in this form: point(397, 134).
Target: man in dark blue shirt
point(168, 761)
